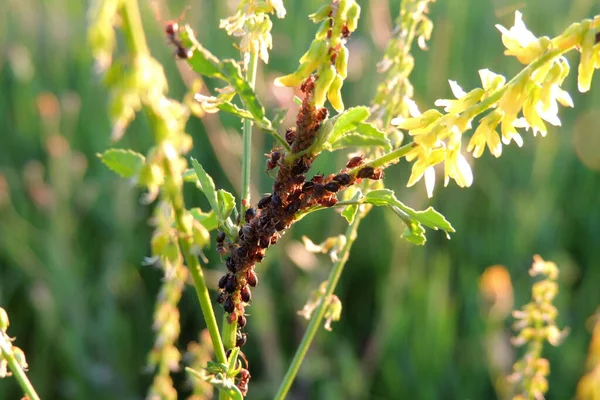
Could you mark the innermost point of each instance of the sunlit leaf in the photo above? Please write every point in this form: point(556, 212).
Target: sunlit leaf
point(350, 211)
point(226, 203)
point(208, 220)
point(126, 163)
point(207, 185)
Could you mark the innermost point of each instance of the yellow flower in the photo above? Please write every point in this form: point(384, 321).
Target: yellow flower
point(586, 62)
point(520, 42)
point(419, 121)
point(465, 100)
point(456, 167)
point(486, 134)
point(426, 160)
point(491, 81)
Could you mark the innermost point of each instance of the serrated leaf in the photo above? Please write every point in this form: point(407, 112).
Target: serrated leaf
point(126, 163)
point(208, 220)
point(429, 217)
point(226, 203)
point(347, 121)
point(207, 185)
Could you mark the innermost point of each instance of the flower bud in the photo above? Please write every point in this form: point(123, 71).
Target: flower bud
point(297, 77)
point(586, 63)
point(352, 16)
point(321, 14)
point(341, 62)
point(334, 94)
point(4, 322)
point(20, 357)
point(326, 77)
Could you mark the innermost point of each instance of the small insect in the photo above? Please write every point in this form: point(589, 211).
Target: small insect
point(275, 200)
point(264, 242)
point(262, 203)
point(220, 237)
point(273, 160)
point(258, 256)
point(328, 201)
point(319, 178)
point(172, 30)
point(297, 180)
point(300, 167)
point(241, 321)
point(221, 297)
point(377, 174)
point(230, 284)
point(293, 207)
point(355, 161)
point(243, 381)
point(290, 135)
point(342, 179)
point(280, 225)
point(332, 187)
point(345, 32)
point(228, 305)
point(250, 214)
point(308, 186)
point(366, 172)
point(222, 281)
point(240, 339)
point(245, 294)
point(220, 243)
point(230, 264)
point(251, 278)
point(322, 114)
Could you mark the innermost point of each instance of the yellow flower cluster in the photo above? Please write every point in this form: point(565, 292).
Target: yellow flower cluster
point(251, 22)
point(534, 93)
point(536, 325)
point(328, 54)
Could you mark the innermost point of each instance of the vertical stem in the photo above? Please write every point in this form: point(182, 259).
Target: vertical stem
point(317, 318)
point(7, 354)
point(247, 137)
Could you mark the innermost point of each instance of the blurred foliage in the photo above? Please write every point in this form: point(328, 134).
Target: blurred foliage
point(73, 235)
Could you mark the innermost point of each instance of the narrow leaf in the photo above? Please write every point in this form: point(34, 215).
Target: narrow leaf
point(350, 211)
point(126, 163)
point(233, 75)
point(207, 185)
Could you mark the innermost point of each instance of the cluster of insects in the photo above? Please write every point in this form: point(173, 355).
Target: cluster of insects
point(292, 192)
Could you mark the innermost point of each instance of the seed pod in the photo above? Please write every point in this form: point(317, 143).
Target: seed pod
point(342, 179)
point(230, 284)
point(262, 203)
point(321, 14)
point(251, 278)
point(326, 77)
point(332, 187)
point(245, 294)
point(228, 305)
point(341, 62)
point(222, 281)
point(334, 93)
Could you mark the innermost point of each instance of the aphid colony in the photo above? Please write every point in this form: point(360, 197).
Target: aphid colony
point(275, 212)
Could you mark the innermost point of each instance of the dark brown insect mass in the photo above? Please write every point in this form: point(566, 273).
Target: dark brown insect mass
point(355, 161)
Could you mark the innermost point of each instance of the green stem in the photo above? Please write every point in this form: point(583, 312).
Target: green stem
point(317, 318)
point(7, 354)
point(247, 138)
point(133, 29)
point(186, 244)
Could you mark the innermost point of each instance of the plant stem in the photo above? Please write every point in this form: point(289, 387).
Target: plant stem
point(247, 138)
point(7, 354)
point(317, 317)
point(133, 29)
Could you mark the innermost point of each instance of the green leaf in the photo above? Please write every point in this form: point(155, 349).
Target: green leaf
point(413, 219)
point(207, 185)
point(365, 135)
point(349, 129)
point(189, 175)
point(219, 381)
point(208, 220)
point(229, 107)
point(226, 203)
point(126, 163)
point(350, 211)
point(205, 63)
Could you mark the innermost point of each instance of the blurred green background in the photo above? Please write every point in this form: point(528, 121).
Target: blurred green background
point(73, 235)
